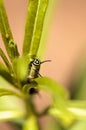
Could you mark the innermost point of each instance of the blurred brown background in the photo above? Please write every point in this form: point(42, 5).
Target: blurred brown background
point(66, 37)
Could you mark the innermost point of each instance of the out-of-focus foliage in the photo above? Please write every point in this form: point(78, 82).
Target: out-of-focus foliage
point(79, 86)
point(10, 108)
point(6, 33)
point(31, 123)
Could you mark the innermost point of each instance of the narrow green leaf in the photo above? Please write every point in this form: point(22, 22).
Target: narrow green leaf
point(34, 26)
point(31, 123)
point(8, 89)
point(6, 31)
point(13, 50)
point(5, 74)
point(5, 60)
point(46, 26)
point(11, 107)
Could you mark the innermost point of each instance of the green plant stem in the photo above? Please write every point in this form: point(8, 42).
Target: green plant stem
point(31, 123)
point(5, 73)
point(5, 60)
point(6, 31)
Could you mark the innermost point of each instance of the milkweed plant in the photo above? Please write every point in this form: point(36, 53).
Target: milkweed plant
point(20, 79)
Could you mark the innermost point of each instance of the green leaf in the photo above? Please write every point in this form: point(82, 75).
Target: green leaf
point(78, 108)
point(11, 107)
point(75, 109)
point(51, 86)
point(78, 125)
point(20, 66)
point(31, 123)
point(8, 89)
point(59, 96)
point(34, 26)
point(46, 26)
point(6, 31)
point(61, 112)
